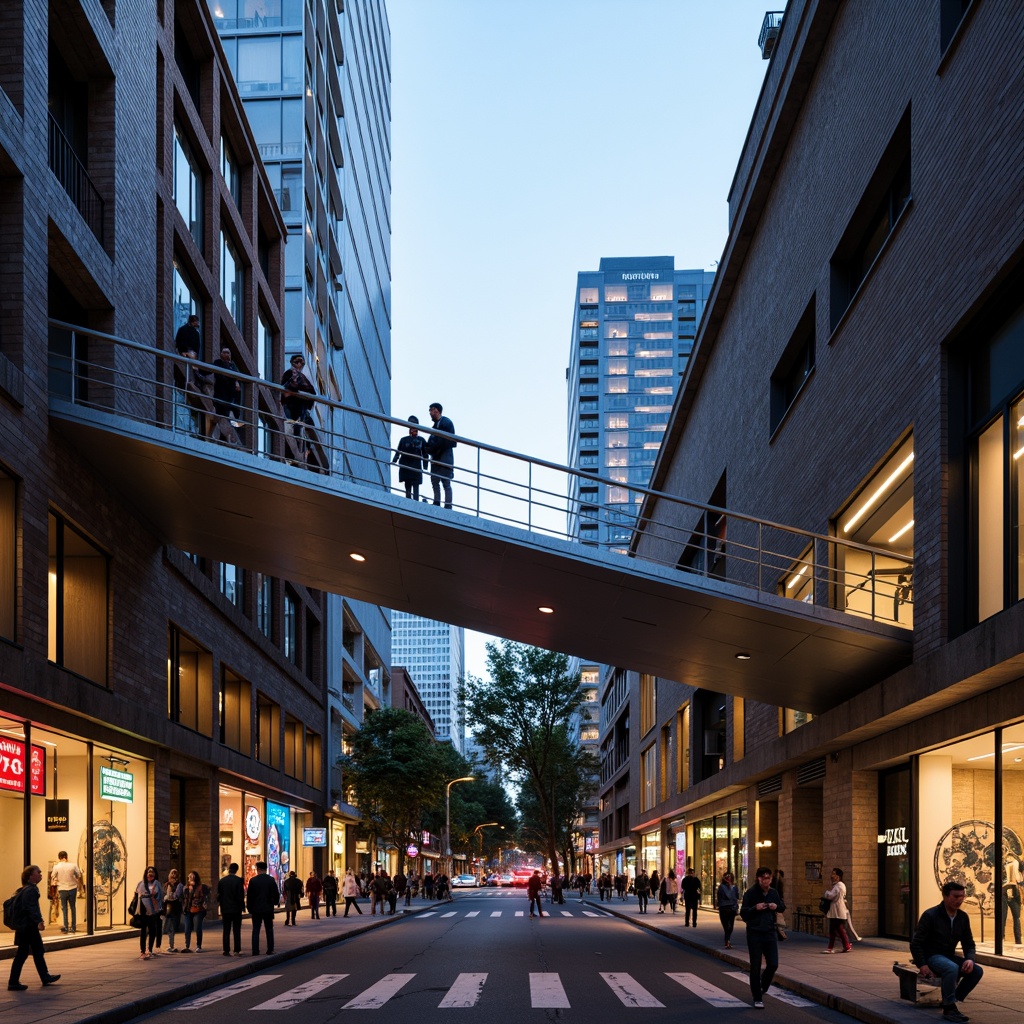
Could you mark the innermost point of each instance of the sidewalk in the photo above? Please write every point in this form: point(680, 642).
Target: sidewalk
point(860, 984)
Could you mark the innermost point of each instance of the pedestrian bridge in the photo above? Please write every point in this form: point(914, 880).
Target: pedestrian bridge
point(319, 508)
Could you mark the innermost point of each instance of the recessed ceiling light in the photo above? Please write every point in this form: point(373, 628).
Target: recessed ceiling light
point(743, 657)
point(356, 557)
point(545, 610)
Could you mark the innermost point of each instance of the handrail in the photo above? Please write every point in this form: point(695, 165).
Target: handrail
point(74, 178)
point(152, 385)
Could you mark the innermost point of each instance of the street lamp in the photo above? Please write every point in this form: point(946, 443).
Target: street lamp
point(486, 824)
point(448, 821)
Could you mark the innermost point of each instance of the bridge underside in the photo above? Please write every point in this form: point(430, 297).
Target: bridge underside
point(278, 519)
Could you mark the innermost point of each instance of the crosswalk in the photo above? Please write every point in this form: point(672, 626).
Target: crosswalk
point(546, 991)
point(467, 915)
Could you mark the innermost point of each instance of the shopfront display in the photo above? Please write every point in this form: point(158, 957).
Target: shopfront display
point(720, 845)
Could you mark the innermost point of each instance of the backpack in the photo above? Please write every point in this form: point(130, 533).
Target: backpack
point(12, 911)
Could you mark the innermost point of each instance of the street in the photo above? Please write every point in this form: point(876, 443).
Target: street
point(484, 953)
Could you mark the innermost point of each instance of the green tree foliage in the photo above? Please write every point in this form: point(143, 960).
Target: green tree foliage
point(520, 716)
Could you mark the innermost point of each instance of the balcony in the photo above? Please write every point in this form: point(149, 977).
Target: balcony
point(770, 28)
point(75, 180)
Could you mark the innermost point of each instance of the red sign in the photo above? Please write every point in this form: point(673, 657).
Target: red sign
point(12, 767)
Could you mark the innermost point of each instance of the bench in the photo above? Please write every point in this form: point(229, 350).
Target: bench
point(914, 988)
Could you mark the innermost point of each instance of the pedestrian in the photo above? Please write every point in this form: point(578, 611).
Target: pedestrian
point(1013, 880)
point(330, 884)
point(533, 888)
point(378, 890)
point(296, 406)
point(691, 895)
point(411, 456)
point(401, 886)
point(728, 905)
point(556, 888)
point(227, 399)
point(292, 898)
point(350, 890)
point(642, 887)
point(581, 885)
point(933, 948)
point(67, 877)
point(231, 900)
point(836, 913)
point(28, 924)
point(193, 387)
point(173, 892)
point(442, 459)
point(195, 900)
point(262, 897)
point(655, 885)
point(151, 898)
point(314, 889)
point(620, 885)
point(188, 338)
point(758, 909)
point(779, 885)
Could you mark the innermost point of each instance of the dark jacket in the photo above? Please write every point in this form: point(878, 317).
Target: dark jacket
point(231, 895)
point(330, 887)
point(26, 908)
point(936, 936)
point(227, 390)
point(691, 889)
point(262, 895)
point(296, 386)
point(188, 339)
point(411, 455)
point(761, 922)
point(440, 448)
point(293, 890)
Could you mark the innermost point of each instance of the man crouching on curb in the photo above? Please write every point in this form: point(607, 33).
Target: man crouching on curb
point(933, 948)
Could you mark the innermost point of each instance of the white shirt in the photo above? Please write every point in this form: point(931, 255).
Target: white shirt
point(65, 875)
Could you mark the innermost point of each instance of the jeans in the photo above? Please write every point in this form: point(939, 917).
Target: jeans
point(232, 922)
point(691, 908)
point(442, 477)
point(350, 902)
point(149, 932)
point(837, 926)
point(955, 985)
point(172, 922)
point(266, 921)
point(331, 906)
point(535, 899)
point(641, 898)
point(766, 946)
point(29, 942)
point(728, 918)
point(1013, 906)
point(69, 898)
point(194, 921)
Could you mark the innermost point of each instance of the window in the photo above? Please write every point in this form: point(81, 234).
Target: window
point(229, 172)
point(683, 748)
point(314, 759)
point(264, 603)
point(184, 300)
point(288, 635)
point(264, 349)
point(588, 296)
point(793, 719)
point(648, 702)
point(268, 731)
point(231, 279)
point(8, 557)
point(259, 65)
point(873, 221)
point(793, 369)
point(230, 582)
point(189, 683)
point(188, 187)
point(78, 602)
point(615, 293)
point(294, 747)
point(648, 777)
point(236, 713)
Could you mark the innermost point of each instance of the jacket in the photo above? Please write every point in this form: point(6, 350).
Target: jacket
point(151, 897)
point(26, 908)
point(350, 888)
point(231, 895)
point(936, 935)
point(440, 448)
point(691, 889)
point(729, 897)
point(262, 895)
point(293, 890)
point(837, 902)
point(330, 884)
point(761, 922)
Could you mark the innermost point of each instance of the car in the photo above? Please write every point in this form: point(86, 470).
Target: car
point(493, 880)
point(465, 882)
point(521, 879)
point(506, 880)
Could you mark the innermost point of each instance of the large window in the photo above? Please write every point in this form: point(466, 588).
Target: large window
point(188, 187)
point(268, 731)
point(236, 713)
point(78, 602)
point(264, 603)
point(190, 683)
point(294, 747)
point(648, 777)
point(229, 171)
point(648, 702)
point(232, 278)
point(289, 636)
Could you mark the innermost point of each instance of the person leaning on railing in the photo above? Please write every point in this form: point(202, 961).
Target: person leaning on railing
point(296, 406)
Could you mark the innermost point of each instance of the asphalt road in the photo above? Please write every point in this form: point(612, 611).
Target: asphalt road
point(485, 955)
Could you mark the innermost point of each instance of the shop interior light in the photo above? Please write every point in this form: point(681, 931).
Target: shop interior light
point(874, 499)
point(795, 578)
point(1007, 748)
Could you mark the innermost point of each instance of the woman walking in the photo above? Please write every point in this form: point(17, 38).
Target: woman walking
point(350, 890)
point(642, 887)
point(330, 884)
point(173, 892)
point(837, 912)
point(314, 887)
point(292, 898)
point(671, 889)
point(728, 906)
point(151, 898)
point(195, 900)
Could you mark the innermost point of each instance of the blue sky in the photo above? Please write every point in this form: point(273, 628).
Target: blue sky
point(530, 139)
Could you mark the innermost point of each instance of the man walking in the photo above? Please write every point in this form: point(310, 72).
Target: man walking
point(691, 895)
point(28, 923)
point(262, 898)
point(933, 948)
point(533, 888)
point(760, 905)
point(231, 898)
point(67, 877)
point(442, 461)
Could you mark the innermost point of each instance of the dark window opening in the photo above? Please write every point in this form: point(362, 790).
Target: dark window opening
point(794, 368)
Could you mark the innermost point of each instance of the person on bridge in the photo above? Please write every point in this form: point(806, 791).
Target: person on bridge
point(188, 341)
point(227, 400)
point(442, 461)
point(296, 405)
point(411, 456)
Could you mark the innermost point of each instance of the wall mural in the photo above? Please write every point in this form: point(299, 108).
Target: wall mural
point(109, 861)
point(968, 853)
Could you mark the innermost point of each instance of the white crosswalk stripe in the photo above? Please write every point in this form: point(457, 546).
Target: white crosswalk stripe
point(590, 913)
point(790, 998)
point(451, 913)
point(630, 991)
point(465, 992)
point(473, 913)
point(496, 913)
point(228, 991)
point(301, 993)
point(520, 913)
point(377, 995)
point(429, 913)
point(709, 993)
point(566, 913)
point(546, 992)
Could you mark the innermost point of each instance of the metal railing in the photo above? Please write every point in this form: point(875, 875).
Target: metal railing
point(74, 179)
point(161, 388)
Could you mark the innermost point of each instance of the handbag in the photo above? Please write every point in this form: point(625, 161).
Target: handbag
point(137, 921)
point(133, 907)
point(823, 904)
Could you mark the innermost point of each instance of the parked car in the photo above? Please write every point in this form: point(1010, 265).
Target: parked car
point(521, 879)
point(507, 880)
point(494, 880)
point(465, 882)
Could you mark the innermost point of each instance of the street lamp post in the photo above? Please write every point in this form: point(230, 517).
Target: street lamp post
point(448, 822)
point(486, 824)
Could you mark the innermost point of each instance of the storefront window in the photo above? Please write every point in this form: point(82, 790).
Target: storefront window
point(894, 853)
point(650, 853)
point(1012, 799)
point(12, 795)
point(280, 845)
point(232, 827)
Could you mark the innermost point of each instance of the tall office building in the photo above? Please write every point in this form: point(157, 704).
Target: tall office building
point(315, 80)
point(433, 654)
point(633, 327)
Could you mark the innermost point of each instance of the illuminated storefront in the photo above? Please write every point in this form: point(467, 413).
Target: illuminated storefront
point(720, 845)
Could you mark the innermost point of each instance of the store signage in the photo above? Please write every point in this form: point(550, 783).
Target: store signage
point(12, 767)
point(117, 785)
point(412, 850)
point(896, 842)
point(314, 837)
point(57, 816)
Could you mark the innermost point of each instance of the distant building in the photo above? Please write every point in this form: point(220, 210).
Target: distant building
point(404, 695)
point(432, 653)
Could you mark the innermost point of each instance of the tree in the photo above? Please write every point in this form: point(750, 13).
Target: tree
point(398, 772)
point(520, 716)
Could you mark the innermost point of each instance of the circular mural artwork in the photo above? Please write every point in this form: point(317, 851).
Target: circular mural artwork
point(968, 854)
point(109, 858)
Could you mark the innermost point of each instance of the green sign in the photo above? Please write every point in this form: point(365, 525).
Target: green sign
point(115, 785)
